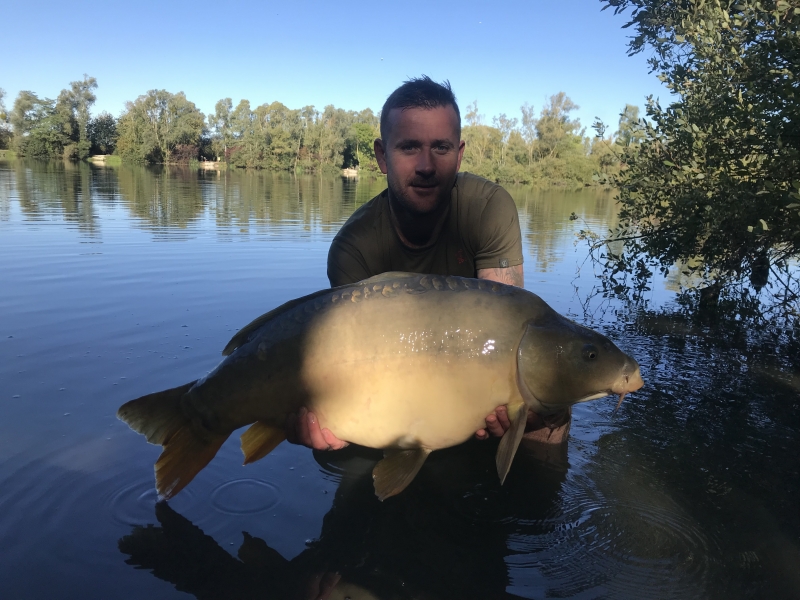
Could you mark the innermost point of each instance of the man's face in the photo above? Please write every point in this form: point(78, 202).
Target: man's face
point(421, 156)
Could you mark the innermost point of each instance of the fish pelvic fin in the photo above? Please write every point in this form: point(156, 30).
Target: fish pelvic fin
point(259, 440)
point(398, 468)
point(518, 415)
point(185, 454)
point(156, 416)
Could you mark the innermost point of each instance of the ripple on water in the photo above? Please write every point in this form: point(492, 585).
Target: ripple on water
point(626, 549)
point(133, 504)
point(245, 497)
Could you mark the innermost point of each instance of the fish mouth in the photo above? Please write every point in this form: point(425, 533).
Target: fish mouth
point(627, 383)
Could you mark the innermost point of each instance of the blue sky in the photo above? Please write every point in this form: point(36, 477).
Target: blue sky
point(501, 53)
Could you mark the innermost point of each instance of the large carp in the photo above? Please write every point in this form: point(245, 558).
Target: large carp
point(405, 362)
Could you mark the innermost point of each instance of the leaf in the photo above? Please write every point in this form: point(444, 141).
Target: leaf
point(764, 225)
point(750, 228)
point(669, 163)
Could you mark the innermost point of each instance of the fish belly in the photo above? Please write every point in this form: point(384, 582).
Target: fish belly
point(409, 402)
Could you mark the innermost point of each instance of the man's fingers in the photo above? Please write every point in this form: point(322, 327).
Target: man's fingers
point(315, 433)
point(502, 417)
point(494, 426)
point(481, 434)
point(333, 442)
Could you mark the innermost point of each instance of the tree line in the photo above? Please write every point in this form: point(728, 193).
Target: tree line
point(162, 127)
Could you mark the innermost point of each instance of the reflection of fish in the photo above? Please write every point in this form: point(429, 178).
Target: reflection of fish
point(405, 362)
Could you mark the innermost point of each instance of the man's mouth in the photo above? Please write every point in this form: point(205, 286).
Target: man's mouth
point(424, 185)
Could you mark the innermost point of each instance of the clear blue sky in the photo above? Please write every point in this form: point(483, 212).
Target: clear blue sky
point(501, 53)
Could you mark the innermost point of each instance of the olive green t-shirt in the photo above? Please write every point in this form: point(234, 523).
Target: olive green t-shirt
point(481, 231)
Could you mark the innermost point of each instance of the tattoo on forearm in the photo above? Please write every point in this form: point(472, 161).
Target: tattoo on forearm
point(510, 275)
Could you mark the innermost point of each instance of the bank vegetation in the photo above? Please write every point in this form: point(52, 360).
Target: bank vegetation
point(548, 147)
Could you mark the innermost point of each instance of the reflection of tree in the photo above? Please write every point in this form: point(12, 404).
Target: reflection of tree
point(164, 198)
point(443, 537)
point(544, 218)
point(47, 188)
point(245, 199)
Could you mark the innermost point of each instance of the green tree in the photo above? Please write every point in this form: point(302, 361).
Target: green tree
point(40, 129)
point(220, 127)
point(556, 132)
point(74, 105)
point(5, 131)
point(156, 124)
point(713, 184)
point(529, 131)
point(102, 133)
point(630, 129)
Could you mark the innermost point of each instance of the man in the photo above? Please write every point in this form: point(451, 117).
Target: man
point(430, 219)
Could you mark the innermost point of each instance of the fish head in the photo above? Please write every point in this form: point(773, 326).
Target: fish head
point(561, 363)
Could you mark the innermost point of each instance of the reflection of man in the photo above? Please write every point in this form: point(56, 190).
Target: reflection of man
point(431, 219)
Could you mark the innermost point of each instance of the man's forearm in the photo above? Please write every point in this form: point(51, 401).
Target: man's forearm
point(509, 275)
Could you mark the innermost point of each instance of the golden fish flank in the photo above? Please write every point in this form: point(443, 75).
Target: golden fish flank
point(405, 362)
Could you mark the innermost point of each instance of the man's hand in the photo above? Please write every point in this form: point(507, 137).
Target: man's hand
point(552, 429)
point(497, 424)
point(303, 428)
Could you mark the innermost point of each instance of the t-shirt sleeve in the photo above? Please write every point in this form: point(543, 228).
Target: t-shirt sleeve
point(345, 263)
point(499, 238)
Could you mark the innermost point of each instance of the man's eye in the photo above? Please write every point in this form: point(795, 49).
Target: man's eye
point(442, 149)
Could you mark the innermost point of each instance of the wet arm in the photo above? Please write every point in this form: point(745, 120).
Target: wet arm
point(510, 275)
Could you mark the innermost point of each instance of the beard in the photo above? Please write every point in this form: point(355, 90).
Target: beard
point(404, 197)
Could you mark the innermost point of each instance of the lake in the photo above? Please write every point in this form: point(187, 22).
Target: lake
point(118, 282)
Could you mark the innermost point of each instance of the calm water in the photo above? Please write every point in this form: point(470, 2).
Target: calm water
point(119, 282)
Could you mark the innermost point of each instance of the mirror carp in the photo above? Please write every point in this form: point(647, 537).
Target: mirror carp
point(405, 362)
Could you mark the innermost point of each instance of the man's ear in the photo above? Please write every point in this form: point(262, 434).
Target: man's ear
point(380, 155)
point(461, 146)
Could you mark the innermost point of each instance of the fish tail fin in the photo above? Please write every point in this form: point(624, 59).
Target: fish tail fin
point(156, 416)
point(160, 418)
point(184, 456)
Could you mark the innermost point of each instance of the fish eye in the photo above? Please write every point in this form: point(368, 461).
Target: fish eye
point(589, 352)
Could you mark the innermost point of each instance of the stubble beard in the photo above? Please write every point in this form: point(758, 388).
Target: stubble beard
point(401, 200)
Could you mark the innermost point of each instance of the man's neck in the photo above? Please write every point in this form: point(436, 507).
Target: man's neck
point(414, 230)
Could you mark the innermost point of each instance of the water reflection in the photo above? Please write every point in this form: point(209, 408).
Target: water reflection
point(177, 202)
point(446, 536)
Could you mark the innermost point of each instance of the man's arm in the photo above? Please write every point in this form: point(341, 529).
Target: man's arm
point(510, 275)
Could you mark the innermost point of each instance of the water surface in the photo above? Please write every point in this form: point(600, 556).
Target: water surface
point(117, 282)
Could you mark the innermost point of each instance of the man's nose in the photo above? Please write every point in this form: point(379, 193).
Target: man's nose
point(425, 164)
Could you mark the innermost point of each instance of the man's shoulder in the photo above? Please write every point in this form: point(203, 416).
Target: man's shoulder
point(365, 218)
point(471, 187)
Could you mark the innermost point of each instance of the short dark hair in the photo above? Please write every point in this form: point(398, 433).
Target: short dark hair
point(419, 92)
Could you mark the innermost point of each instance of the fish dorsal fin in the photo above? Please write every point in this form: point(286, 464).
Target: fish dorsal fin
point(244, 333)
point(518, 415)
point(259, 440)
point(389, 276)
point(397, 469)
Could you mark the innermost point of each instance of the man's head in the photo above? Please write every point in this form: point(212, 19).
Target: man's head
point(419, 92)
point(420, 148)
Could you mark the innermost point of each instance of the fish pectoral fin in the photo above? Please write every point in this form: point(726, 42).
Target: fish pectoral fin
point(259, 440)
point(398, 468)
point(518, 415)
